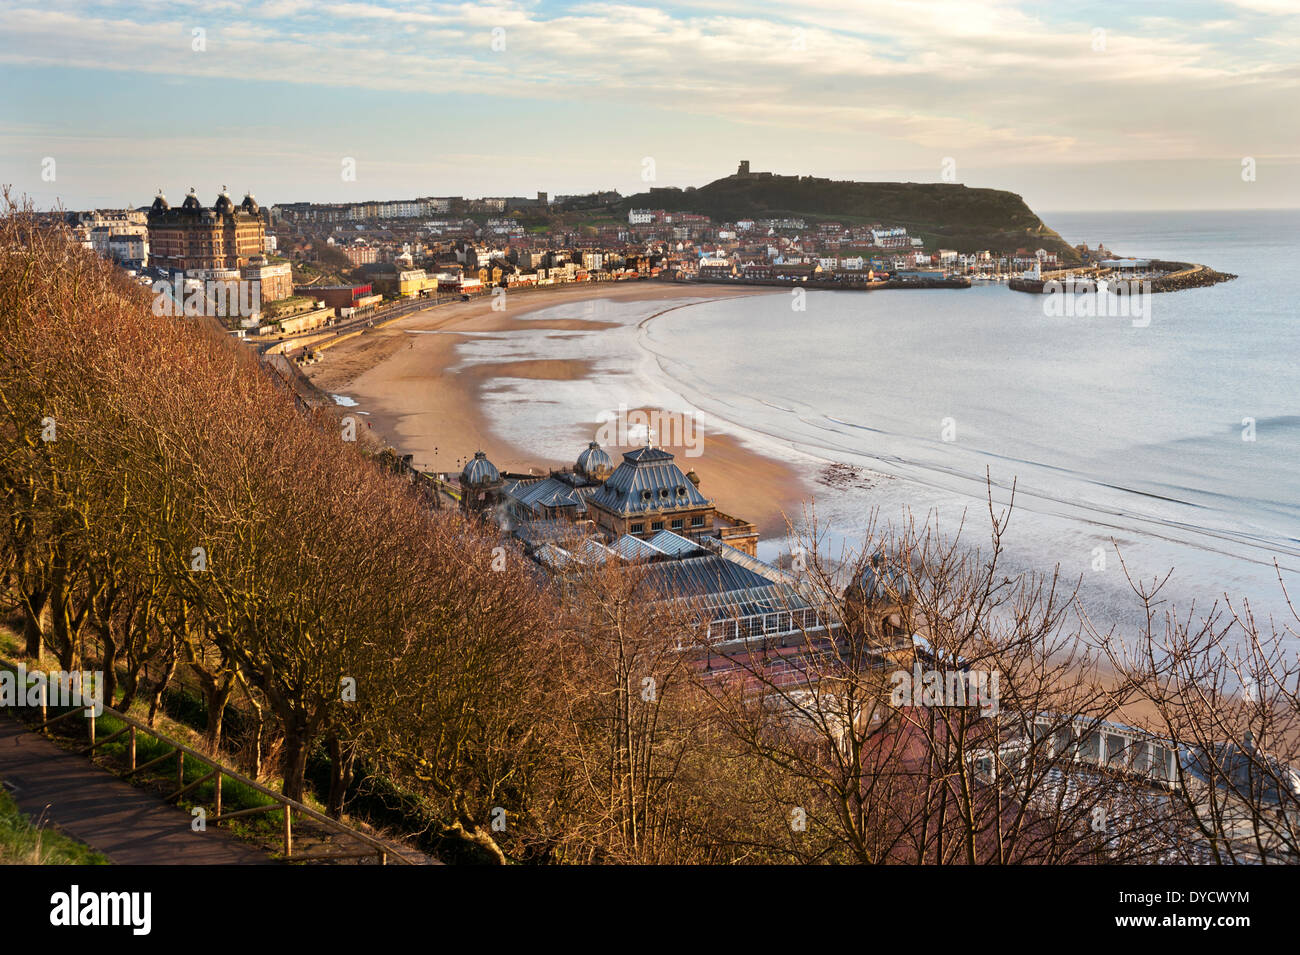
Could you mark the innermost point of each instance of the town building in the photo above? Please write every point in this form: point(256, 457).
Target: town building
point(128, 248)
point(649, 493)
point(342, 298)
point(276, 279)
point(563, 495)
point(191, 237)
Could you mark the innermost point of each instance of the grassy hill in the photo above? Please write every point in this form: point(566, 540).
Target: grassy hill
point(944, 214)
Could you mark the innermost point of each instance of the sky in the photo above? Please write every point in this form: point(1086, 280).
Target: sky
point(1079, 105)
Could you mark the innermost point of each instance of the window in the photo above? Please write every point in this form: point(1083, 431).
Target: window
point(1064, 741)
point(636, 528)
point(657, 525)
point(1161, 764)
point(677, 524)
point(1091, 750)
point(697, 520)
point(1142, 756)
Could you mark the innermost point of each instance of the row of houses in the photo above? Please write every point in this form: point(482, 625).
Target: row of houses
point(423, 207)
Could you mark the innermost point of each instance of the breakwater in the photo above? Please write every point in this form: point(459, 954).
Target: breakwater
point(1173, 277)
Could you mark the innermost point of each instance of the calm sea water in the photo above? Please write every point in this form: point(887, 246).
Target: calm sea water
point(1179, 441)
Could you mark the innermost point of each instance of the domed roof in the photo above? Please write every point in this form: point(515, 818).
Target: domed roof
point(480, 471)
point(223, 204)
point(883, 580)
point(159, 203)
point(192, 201)
point(594, 460)
point(249, 205)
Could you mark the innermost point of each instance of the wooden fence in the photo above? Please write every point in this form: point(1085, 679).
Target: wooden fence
point(372, 847)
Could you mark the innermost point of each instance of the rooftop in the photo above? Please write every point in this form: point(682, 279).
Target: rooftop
point(648, 480)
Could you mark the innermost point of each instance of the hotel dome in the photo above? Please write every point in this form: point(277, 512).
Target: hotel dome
point(192, 202)
point(594, 463)
point(480, 472)
point(223, 205)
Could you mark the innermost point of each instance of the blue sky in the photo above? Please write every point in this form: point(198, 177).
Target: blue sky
point(1075, 106)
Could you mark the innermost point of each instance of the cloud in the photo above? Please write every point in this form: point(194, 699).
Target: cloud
point(988, 80)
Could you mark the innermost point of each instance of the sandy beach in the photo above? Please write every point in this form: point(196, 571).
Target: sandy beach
point(402, 380)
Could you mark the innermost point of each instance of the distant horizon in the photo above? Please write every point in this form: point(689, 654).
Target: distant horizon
point(1041, 212)
point(1173, 180)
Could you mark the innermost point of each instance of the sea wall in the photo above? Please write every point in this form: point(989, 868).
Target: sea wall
point(1178, 276)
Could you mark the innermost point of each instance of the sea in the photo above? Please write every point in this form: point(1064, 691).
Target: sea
point(1165, 447)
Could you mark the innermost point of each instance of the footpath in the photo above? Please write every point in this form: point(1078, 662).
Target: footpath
point(125, 824)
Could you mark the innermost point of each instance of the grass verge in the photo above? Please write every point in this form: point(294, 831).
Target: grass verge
point(24, 842)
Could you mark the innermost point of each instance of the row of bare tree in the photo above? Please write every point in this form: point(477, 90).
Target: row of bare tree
point(171, 516)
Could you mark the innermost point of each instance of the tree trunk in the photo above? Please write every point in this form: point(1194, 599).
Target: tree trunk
point(155, 699)
point(109, 662)
point(216, 695)
point(65, 639)
point(259, 734)
point(295, 760)
point(36, 619)
point(340, 776)
point(130, 687)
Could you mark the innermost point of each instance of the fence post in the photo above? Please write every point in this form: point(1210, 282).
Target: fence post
point(288, 831)
point(217, 788)
point(92, 732)
point(131, 746)
point(180, 769)
point(44, 703)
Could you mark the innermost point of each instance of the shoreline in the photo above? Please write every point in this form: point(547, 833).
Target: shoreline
point(404, 380)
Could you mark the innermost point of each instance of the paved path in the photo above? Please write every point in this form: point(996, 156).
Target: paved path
point(128, 825)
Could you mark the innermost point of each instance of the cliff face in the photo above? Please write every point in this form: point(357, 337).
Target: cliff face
point(944, 214)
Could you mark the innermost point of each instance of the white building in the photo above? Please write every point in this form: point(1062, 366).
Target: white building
point(129, 248)
point(889, 238)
